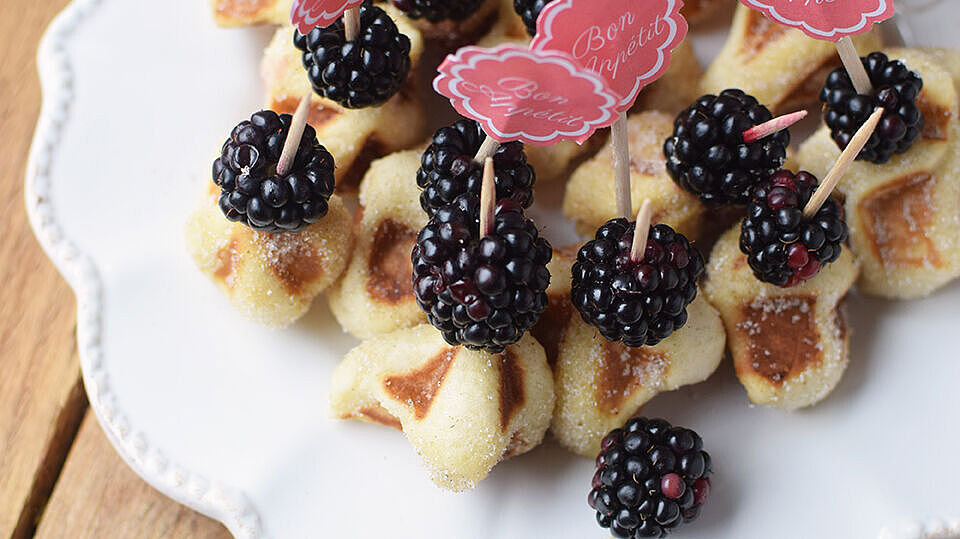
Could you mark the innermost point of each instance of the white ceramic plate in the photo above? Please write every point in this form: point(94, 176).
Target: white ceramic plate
point(230, 418)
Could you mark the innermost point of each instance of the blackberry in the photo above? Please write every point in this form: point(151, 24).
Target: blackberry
point(651, 478)
point(707, 156)
point(362, 73)
point(251, 190)
point(484, 292)
point(438, 10)
point(782, 247)
point(447, 168)
point(529, 11)
point(642, 302)
point(895, 88)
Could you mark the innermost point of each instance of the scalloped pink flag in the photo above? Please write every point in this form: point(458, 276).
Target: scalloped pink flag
point(628, 42)
point(518, 94)
point(829, 20)
point(309, 14)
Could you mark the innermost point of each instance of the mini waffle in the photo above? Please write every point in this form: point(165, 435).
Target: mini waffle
point(904, 215)
point(375, 293)
point(782, 67)
point(231, 13)
point(463, 411)
point(354, 136)
point(600, 384)
point(790, 346)
point(270, 278)
point(590, 199)
point(549, 329)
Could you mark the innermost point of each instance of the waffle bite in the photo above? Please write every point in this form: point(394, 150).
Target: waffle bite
point(354, 136)
point(270, 278)
point(780, 66)
point(231, 13)
point(904, 215)
point(463, 411)
point(375, 293)
point(790, 346)
point(600, 384)
point(590, 200)
point(553, 322)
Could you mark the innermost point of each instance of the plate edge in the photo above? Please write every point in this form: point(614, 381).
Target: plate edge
point(221, 502)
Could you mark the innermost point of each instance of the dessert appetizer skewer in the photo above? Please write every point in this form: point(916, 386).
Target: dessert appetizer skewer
point(272, 237)
point(902, 213)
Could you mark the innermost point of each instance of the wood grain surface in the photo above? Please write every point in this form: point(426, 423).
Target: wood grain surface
point(57, 478)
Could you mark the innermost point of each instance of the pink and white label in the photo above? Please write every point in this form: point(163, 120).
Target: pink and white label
point(309, 14)
point(628, 42)
point(830, 20)
point(518, 94)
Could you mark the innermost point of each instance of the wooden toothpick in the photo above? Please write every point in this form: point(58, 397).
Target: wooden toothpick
point(487, 149)
point(292, 143)
point(488, 197)
point(351, 23)
point(843, 162)
point(772, 126)
point(639, 248)
point(621, 166)
point(851, 61)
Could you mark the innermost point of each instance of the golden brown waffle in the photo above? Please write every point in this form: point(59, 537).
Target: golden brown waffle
point(553, 322)
point(270, 278)
point(790, 346)
point(782, 67)
point(904, 215)
point(355, 137)
point(590, 200)
point(230, 13)
point(463, 411)
point(600, 384)
point(375, 294)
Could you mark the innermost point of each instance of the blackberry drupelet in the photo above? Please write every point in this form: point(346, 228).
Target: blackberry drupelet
point(707, 156)
point(362, 73)
point(529, 11)
point(447, 168)
point(642, 302)
point(438, 10)
point(782, 247)
point(651, 478)
point(251, 190)
point(485, 292)
point(895, 88)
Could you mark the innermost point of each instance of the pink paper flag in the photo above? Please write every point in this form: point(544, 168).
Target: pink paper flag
point(517, 94)
point(628, 42)
point(309, 14)
point(829, 20)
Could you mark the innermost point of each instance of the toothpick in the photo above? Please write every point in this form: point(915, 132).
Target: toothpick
point(851, 61)
point(487, 149)
point(488, 197)
point(621, 166)
point(351, 23)
point(292, 144)
point(846, 158)
point(772, 126)
point(639, 248)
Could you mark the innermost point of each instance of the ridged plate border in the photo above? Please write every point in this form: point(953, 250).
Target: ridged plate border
point(183, 485)
point(221, 502)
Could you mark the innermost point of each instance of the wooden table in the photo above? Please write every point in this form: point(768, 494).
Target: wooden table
point(59, 476)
